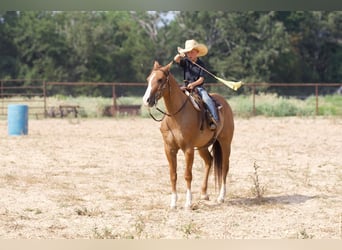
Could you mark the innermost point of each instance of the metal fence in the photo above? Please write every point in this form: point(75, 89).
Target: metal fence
point(31, 92)
point(315, 86)
point(35, 93)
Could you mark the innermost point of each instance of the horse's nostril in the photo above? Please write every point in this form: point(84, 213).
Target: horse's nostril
point(151, 101)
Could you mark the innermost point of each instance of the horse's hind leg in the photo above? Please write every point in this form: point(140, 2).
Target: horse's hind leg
point(206, 156)
point(225, 169)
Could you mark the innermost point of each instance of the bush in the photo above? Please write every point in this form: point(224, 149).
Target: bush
point(266, 105)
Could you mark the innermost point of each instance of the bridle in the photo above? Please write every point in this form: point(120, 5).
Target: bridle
point(158, 95)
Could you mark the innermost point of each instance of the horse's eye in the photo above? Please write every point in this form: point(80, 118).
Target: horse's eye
point(160, 81)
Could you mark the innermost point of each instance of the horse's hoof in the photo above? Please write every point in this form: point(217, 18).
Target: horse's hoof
point(220, 200)
point(187, 206)
point(205, 197)
point(173, 207)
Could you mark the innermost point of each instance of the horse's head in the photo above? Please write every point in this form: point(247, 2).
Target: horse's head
point(157, 82)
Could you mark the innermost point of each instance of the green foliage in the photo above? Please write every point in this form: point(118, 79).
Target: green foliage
point(315, 38)
point(272, 105)
point(120, 46)
point(330, 105)
point(242, 105)
point(266, 105)
point(39, 48)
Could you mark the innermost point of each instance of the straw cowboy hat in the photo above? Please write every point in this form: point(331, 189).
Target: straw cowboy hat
point(193, 44)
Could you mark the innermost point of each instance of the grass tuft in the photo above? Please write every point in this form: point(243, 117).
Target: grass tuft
point(189, 230)
point(257, 190)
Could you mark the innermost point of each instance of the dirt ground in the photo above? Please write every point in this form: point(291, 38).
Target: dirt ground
point(108, 178)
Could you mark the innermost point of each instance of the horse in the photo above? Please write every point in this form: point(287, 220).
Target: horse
point(182, 129)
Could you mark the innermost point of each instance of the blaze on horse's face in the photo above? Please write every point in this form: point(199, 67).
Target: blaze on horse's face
point(156, 84)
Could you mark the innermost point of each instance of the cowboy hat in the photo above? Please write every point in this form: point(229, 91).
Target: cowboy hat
point(193, 44)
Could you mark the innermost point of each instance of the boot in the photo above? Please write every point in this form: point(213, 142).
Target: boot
point(212, 126)
point(212, 123)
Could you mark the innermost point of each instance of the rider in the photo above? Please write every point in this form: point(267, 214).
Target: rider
point(194, 76)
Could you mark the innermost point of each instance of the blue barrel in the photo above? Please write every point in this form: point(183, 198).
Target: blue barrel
point(17, 115)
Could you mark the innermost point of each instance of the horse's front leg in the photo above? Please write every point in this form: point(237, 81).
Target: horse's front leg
point(171, 155)
point(189, 160)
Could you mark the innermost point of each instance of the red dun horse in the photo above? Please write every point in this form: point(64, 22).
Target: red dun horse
point(183, 129)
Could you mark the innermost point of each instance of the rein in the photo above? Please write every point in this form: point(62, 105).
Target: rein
point(166, 114)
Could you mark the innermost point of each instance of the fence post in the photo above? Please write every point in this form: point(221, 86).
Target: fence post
point(44, 93)
point(2, 97)
point(316, 91)
point(114, 100)
point(254, 110)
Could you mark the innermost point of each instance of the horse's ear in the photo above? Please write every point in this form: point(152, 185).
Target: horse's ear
point(168, 66)
point(156, 65)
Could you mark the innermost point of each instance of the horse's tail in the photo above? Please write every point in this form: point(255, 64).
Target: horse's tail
point(217, 158)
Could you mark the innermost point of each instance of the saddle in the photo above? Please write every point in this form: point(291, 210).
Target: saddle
point(198, 104)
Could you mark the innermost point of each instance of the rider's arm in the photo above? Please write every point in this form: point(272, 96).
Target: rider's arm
point(198, 82)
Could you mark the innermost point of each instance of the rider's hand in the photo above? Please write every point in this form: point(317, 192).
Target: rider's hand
point(178, 57)
point(190, 86)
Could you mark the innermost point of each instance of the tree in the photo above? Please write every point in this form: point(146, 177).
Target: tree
point(8, 52)
point(315, 54)
point(120, 46)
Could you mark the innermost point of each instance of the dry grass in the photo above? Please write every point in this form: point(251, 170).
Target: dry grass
point(258, 190)
point(91, 179)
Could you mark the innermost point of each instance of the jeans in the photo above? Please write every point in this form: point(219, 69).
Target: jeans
point(208, 101)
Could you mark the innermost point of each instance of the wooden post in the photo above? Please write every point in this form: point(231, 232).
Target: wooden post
point(44, 93)
point(254, 109)
point(316, 91)
point(2, 97)
point(114, 101)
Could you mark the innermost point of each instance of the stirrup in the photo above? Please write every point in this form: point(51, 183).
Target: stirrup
point(212, 126)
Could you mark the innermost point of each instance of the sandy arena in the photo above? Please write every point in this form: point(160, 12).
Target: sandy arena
point(109, 178)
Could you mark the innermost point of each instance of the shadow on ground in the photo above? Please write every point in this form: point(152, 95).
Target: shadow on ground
point(280, 200)
point(269, 200)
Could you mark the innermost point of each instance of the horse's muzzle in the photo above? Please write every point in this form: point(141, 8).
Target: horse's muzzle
point(150, 101)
